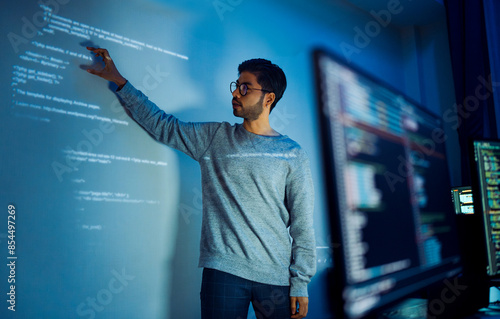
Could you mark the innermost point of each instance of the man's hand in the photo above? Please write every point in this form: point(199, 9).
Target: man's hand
point(109, 72)
point(302, 303)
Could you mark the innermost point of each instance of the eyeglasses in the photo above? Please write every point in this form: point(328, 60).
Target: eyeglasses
point(243, 88)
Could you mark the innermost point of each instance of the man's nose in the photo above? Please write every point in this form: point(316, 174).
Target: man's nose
point(236, 93)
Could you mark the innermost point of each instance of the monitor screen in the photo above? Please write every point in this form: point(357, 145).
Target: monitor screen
point(388, 184)
point(486, 178)
point(462, 200)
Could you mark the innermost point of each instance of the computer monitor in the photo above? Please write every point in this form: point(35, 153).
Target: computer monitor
point(387, 182)
point(462, 200)
point(486, 185)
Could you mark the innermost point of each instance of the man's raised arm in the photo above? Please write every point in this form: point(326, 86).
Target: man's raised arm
point(189, 138)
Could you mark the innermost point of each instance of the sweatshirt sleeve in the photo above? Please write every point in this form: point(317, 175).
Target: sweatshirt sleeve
point(300, 204)
point(190, 138)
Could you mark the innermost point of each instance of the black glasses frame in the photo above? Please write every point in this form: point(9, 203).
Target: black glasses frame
point(243, 88)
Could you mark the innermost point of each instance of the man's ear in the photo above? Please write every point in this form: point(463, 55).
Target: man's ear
point(270, 97)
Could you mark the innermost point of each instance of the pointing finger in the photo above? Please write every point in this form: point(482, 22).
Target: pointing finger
point(100, 52)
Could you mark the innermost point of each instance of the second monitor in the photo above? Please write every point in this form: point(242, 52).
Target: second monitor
point(462, 200)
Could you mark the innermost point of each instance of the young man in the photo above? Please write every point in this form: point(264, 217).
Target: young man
point(257, 194)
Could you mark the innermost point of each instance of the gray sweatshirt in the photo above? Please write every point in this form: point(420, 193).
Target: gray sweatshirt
point(257, 196)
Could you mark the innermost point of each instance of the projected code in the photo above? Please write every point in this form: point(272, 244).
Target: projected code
point(37, 74)
point(81, 195)
point(111, 197)
point(41, 68)
point(58, 23)
point(43, 91)
point(82, 156)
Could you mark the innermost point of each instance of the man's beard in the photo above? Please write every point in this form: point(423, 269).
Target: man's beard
point(251, 112)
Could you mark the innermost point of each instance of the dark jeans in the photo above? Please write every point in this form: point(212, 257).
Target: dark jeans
point(225, 296)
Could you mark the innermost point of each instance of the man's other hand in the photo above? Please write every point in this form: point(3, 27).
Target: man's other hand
point(302, 304)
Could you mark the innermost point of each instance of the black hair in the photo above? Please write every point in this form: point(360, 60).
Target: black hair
point(270, 76)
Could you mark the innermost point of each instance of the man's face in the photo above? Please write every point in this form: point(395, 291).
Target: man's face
point(251, 105)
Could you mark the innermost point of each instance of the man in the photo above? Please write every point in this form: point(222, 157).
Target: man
point(257, 194)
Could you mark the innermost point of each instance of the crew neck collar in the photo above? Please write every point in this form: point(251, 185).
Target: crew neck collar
point(242, 128)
